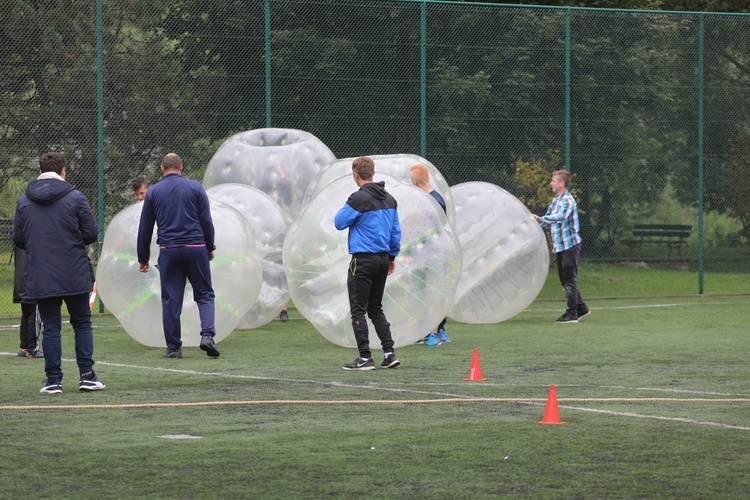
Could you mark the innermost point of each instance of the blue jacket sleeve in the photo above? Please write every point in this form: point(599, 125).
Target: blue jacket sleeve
point(345, 217)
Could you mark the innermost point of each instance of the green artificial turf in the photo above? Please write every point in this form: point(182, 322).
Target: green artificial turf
point(653, 392)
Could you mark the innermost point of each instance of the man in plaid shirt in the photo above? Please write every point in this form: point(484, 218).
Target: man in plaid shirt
point(562, 219)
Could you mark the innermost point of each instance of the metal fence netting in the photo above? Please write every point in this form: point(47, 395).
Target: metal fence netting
point(648, 110)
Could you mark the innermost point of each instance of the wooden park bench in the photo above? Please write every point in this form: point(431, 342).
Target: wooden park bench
point(673, 236)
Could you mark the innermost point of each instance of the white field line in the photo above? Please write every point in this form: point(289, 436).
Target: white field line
point(657, 417)
point(641, 306)
point(12, 327)
point(421, 384)
point(546, 386)
point(290, 380)
point(430, 393)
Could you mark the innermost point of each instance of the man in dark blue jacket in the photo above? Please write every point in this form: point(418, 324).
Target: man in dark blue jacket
point(54, 223)
point(374, 242)
point(179, 207)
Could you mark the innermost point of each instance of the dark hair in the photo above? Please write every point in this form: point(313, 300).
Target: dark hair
point(139, 181)
point(52, 162)
point(364, 167)
point(564, 175)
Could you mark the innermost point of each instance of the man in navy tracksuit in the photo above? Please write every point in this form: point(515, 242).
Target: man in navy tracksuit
point(185, 235)
point(54, 223)
point(374, 242)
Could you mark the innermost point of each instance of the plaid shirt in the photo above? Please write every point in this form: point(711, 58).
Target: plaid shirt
point(562, 219)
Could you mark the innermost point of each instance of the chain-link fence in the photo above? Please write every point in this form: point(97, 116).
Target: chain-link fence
point(648, 110)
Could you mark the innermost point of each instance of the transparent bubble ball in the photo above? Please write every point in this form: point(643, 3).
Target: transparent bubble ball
point(505, 254)
point(135, 297)
point(270, 225)
point(417, 295)
point(277, 161)
point(396, 165)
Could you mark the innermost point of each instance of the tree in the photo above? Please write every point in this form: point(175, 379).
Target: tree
point(49, 93)
point(48, 50)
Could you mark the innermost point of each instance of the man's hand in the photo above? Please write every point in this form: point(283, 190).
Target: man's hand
point(537, 218)
point(210, 255)
point(391, 267)
point(144, 267)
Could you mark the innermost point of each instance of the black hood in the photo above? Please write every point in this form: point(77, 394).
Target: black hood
point(47, 191)
point(377, 189)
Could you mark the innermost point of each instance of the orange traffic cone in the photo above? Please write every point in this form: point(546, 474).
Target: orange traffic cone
point(551, 414)
point(475, 372)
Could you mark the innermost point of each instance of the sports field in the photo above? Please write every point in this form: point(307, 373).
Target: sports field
point(655, 396)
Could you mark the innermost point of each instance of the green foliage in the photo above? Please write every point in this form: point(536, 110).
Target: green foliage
point(723, 231)
point(532, 180)
point(460, 97)
point(678, 5)
point(177, 73)
point(14, 188)
point(738, 194)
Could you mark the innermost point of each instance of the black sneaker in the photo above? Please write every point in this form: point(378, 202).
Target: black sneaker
point(173, 353)
point(582, 315)
point(360, 364)
point(51, 387)
point(89, 382)
point(390, 361)
point(565, 318)
point(208, 345)
point(284, 317)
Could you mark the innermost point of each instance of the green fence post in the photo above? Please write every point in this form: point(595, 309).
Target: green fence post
point(567, 89)
point(700, 154)
point(423, 81)
point(100, 125)
point(267, 29)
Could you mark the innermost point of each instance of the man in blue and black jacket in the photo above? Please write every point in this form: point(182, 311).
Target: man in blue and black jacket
point(374, 242)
